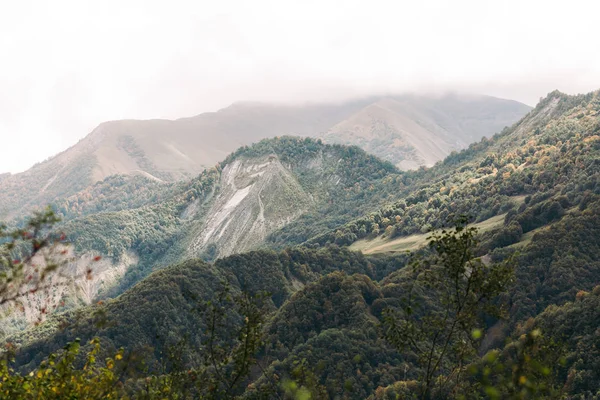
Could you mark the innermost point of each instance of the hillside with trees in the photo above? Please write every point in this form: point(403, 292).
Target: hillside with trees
point(476, 278)
point(253, 193)
point(137, 225)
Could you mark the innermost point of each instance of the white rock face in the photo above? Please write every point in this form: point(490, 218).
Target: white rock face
point(77, 282)
point(256, 197)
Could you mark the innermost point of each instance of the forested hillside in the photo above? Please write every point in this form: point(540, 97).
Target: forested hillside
point(235, 206)
point(323, 294)
point(534, 172)
point(137, 225)
point(363, 272)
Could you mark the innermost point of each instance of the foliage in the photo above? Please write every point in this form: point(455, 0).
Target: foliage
point(524, 369)
point(157, 222)
point(19, 247)
point(464, 288)
point(156, 313)
point(115, 193)
point(228, 365)
point(58, 377)
point(34, 268)
point(575, 325)
point(550, 159)
point(228, 350)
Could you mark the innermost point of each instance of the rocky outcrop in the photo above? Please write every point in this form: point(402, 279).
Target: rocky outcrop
point(257, 196)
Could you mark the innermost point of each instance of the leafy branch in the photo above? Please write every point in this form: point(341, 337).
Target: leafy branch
point(446, 336)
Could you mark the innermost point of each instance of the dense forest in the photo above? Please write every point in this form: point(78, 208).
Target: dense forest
point(476, 278)
point(157, 222)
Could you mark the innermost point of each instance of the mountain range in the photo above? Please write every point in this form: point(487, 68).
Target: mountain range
point(331, 233)
point(408, 131)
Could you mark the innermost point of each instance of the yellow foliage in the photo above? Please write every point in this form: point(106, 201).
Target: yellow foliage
point(591, 139)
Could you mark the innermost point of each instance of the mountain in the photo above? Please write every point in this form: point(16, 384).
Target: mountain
point(311, 290)
point(411, 131)
point(138, 225)
point(421, 130)
point(531, 189)
point(254, 193)
point(342, 222)
point(516, 169)
point(281, 273)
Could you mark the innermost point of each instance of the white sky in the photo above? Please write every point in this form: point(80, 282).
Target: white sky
point(66, 66)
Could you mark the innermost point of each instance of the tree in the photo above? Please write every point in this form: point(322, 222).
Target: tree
point(230, 349)
point(59, 378)
point(524, 369)
point(445, 337)
point(28, 255)
point(30, 260)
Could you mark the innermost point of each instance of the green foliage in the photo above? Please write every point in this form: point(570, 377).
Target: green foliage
point(558, 263)
point(304, 384)
point(151, 231)
point(464, 289)
point(524, 369)
point(328, 328)
point(575, 325)
point(115, 193)
point(345, 181)
point(58, 377)
point(552, 156)
point(156, 313)
point(232, 336)
point(228, 366)
point(157, 222)
point(28, 255)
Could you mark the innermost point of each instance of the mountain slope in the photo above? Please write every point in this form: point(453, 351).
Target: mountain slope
point(161, 150)
point(534, 189)
point(256, 197)
point(175, 290)
point(411, 131)
point(165, 151)
point(137, 225)
point(235, 207)
point(540, 157)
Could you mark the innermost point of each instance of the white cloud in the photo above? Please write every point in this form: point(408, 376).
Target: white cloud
point(69, 65)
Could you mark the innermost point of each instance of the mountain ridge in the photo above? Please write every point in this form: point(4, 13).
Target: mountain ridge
point(533, 189)
point(171, 150)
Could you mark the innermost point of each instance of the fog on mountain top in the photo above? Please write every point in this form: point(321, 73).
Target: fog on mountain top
point(69, 66)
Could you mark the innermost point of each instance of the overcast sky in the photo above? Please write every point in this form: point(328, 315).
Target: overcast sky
point(66, 66)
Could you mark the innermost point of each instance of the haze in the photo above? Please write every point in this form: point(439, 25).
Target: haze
point(69, 65)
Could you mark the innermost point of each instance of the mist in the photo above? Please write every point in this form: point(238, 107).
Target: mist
point(69, 65)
